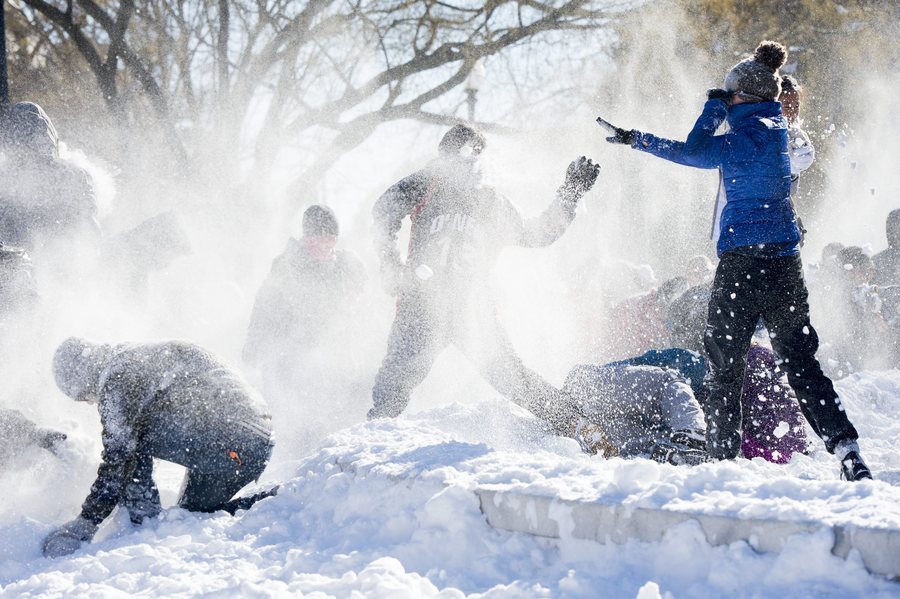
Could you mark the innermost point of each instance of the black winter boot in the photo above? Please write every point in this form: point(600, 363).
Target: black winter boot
point(853, 468)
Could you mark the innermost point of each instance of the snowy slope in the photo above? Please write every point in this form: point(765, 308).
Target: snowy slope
point(388, 509)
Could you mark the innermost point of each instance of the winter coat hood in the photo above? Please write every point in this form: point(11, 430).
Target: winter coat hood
point(740, 114)
point(77, 366)
point(28, 132)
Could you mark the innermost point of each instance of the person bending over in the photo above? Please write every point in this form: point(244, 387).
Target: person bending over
point(172, 401)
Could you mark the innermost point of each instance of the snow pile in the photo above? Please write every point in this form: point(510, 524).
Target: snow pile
point(388, 509)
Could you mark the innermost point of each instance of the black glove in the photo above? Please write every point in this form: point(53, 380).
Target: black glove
point(619, 135)
point(68, 538)
point(142, 501)
point(580, 177)
point(51, 440)
point(622, 136)
point(719, 94)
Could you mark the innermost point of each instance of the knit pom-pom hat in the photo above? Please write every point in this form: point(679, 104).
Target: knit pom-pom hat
point(757, 76)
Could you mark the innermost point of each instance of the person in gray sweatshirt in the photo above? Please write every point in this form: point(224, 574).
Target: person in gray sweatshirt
point(172, 401)
point(638, 411)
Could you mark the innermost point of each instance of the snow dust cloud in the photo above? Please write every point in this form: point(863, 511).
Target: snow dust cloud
point(641, 212)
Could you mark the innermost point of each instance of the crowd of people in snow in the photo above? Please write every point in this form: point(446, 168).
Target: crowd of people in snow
point(718, 362)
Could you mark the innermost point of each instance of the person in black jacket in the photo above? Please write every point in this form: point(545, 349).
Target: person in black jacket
point(305, 312)
point(172, 401)
point(308, 288)
point(458, 227)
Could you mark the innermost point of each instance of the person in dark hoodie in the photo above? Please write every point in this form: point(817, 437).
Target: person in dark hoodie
point(304, 314)
point(459, 227)
point(172, 401)
point(43, 200)
point(307, 288)
point(760, 274)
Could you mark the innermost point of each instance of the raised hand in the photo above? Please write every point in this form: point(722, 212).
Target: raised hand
point(581, 175)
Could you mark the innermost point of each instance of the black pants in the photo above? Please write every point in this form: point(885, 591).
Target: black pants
point(424, 327)
point(747, 288)
point(217, 468)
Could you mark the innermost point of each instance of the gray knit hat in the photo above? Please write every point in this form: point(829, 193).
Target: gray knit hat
point(758, 75)
point(461, 135)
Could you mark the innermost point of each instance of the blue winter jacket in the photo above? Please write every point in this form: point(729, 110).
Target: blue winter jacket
point(756, 170)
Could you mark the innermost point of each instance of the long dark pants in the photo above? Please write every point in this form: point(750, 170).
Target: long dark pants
point(745, 289)
point(419, 333)
point(218, 465)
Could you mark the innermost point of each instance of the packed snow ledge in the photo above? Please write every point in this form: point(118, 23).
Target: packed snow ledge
point(393, 508)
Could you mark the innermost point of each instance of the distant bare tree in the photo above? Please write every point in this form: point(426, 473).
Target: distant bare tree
point(216, 77)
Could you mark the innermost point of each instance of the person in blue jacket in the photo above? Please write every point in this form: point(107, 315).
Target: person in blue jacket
point(760, 274)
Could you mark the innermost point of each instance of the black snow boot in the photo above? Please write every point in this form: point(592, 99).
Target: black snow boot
point(245, 503)
point(667, 452)
point(853, 468)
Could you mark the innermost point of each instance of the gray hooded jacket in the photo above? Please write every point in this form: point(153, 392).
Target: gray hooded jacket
point(636, 407)
point(172, 400)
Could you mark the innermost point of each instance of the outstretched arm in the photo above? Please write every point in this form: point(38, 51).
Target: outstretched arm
point(553, 222)
point(119, 413)
point(702, 149)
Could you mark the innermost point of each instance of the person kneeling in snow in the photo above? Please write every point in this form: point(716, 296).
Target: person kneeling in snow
point(638, 411)
point(173, 401)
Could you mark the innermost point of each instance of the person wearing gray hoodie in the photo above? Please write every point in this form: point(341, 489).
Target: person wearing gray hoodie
point(172, 401)
point(638, 411)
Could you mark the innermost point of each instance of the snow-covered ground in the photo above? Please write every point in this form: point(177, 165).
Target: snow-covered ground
point(388, 509)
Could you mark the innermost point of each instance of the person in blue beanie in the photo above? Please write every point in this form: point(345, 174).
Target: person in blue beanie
point(760, 274)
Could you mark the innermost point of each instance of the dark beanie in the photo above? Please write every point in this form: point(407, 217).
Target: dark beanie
point(459, 136)
point(319, 220)
point(758, 75)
